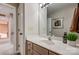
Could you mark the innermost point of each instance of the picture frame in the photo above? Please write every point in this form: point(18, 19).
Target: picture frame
point(57, 23)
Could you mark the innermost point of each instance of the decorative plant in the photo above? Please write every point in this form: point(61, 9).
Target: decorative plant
point(72, 36)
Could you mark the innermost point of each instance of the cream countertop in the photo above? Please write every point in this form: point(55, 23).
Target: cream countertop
point(57, 47)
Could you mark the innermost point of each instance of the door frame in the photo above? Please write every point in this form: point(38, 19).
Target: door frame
point(23, 41)
point(14, 8)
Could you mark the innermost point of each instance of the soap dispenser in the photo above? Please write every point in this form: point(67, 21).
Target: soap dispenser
point(65, 38)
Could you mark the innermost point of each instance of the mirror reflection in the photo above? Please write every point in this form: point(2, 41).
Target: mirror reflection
point(3, 29)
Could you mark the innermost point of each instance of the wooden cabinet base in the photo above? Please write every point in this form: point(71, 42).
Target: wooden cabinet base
point(34, 49)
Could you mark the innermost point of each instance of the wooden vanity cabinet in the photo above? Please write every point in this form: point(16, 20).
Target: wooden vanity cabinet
point(34, 49)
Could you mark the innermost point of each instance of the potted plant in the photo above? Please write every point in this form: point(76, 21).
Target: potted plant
point(72, 37)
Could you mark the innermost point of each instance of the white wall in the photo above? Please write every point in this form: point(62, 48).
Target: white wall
point(35, 19)
point(67, 14)
point(31, 18)
point(43, 21)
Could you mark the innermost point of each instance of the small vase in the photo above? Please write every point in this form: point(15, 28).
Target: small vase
point(72, 43)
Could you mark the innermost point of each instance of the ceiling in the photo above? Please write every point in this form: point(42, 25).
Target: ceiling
point(56, 6)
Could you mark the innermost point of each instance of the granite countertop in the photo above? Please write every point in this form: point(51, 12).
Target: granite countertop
point(54, 45)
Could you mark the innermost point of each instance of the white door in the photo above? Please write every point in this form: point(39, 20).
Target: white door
point(10, 10)
point(21, 29)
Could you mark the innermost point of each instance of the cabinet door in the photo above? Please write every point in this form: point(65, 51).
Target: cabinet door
point(40, 50)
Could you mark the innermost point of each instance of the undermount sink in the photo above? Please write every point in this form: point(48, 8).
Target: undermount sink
point(48, 42)
point(62, 46)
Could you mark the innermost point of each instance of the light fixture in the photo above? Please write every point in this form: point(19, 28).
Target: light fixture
point(42, 5)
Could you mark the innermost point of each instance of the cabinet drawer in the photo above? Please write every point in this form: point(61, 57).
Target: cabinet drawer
point(40, 49)
point(35, 53)
point(53, 53)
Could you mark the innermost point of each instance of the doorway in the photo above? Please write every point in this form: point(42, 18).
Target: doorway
point(7, 29)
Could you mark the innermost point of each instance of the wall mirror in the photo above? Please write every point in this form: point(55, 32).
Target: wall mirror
point(56, 18)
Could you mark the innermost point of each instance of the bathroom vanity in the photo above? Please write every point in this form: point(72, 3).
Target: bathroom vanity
point(34, 49)
point(37, 45)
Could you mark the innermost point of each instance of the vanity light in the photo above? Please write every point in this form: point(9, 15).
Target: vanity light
point(42, 5)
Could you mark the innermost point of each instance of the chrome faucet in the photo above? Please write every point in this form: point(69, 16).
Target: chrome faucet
point(49, 38)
